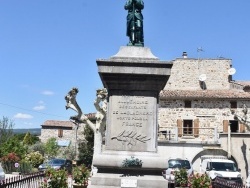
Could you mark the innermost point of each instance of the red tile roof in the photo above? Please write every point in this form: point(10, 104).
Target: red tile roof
point(243, 83)
point(66, 123)
point(209, 94)
point(57, 123)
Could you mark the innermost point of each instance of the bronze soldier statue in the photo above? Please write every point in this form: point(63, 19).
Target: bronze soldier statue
point(135, 22)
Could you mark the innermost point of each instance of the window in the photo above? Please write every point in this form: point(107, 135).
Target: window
point(188, 127)
point(187, 104)
point(233, 104)
point(60, 133)
point(234, 126)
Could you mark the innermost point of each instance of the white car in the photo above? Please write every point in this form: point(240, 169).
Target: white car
point(176, 164)
point(223, 168)
point(2, 174)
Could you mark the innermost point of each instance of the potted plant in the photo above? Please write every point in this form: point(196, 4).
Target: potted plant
point(81, 175)
point(181, 178)
point(132, 163)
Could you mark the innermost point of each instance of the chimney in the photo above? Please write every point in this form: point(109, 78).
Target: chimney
point(184, 54)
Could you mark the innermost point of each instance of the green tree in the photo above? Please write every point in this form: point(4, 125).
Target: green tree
point(28, 139)
point(51, 147)
point(6, 129)
point(12, 145)
point(33, 138)
point(34, 158)
point(86, 148)
point(38, 146)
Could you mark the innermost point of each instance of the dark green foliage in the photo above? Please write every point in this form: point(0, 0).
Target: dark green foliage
point(24, 167)
point(8, 167)
point(132, 162)
point(86, 149)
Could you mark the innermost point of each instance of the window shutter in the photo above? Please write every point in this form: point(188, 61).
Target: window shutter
point(225, 126)
point(60, 133)
point(196, 128)
point(179, 125)
point(242, 128)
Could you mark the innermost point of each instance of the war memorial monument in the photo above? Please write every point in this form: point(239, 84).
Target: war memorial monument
point(125, 150)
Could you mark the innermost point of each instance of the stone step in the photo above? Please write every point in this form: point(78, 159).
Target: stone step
point(114, 181)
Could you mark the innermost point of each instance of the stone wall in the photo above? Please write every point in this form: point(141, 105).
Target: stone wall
point(210, 113)
point(69, 133)
point(185, 74)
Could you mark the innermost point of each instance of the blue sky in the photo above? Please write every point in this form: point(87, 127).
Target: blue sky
point(49, 46)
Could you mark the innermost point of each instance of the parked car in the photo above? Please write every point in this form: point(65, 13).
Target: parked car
point(176, 164)
point(2, 174)
point(223, 168)
point(57, 164)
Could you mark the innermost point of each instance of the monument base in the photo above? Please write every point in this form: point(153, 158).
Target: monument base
point(133, 78)
point(103, 180)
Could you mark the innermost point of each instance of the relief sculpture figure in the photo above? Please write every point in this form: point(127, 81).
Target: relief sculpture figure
point(101, 106)
point(135, 22)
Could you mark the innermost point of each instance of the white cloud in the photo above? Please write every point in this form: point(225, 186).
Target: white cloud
point(39, 107)
point(47, 92)
point(23, 116)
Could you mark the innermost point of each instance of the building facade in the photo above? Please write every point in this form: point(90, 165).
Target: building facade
point(197, 111)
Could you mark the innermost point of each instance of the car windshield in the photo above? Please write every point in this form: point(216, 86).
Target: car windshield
point(219, 166)
point(179, 163)
point(56, 162)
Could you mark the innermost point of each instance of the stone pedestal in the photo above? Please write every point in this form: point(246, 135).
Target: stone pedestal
point(133, 77)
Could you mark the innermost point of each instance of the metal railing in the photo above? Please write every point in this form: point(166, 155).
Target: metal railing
point(33, 180)
point(194, 134)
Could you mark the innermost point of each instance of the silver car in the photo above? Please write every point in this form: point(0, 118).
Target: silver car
point(2, 174)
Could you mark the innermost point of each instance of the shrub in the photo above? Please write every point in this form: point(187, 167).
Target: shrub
point(81, 174)
point(199, 181)
point(38, 146)
point(8, 162)
point(55, 179)
point(34, 158)
point(181, 177)
point(24, 167)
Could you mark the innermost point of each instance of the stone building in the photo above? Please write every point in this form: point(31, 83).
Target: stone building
point(63, 131)
point(67, 133)
point(197, 111)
